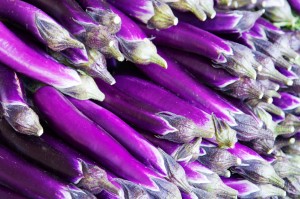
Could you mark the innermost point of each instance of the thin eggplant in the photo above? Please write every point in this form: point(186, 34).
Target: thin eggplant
point(69, 14)
point(242, 88)
point(154, 159)
point(287, 101)
point(14, 107)
point(83, 131)
point(42, 26)
point(17, 172)
point(295, 4)
point(154, 13)
point(235, 21)
point(9, 194)
point(55, 156)
point(32, 63)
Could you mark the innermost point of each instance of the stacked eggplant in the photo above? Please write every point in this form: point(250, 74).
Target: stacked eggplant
point(206, 105)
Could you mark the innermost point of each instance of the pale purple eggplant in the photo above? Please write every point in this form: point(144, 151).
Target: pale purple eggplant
point(180, 152)
point(102, 14)
point(254, 167)
point(249, 190)
point(42, 26)
point(9, 194)
point(56, 157)
point(287, 101)
point(281, 15)
point(154, 13)
point(69, 14)
point(235, 21)
point(32, 63)
point(154, 159)
point(202, 69)
point(83, 131)
point(149, 117)
point(17, 172)
point(14, 108)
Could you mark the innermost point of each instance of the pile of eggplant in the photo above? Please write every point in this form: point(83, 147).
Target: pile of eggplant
point(142, 99)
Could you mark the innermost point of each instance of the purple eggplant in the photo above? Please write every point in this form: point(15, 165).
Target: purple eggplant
point(102, 14)
point(14, 107)
point(235, 21)
point(154, 158)
point(43, 27)
point(134, 44)
point(69, 14)
point(249, 190)
point(32, 63)
point(83, 131)
point(242, 88)
point(154, 13)
point(165, 124)
point(254, 167)
point(287, 101)
point(295, 4)
point(55, 156)
point(33, 182)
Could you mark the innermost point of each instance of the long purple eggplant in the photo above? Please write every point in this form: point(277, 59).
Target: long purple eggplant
point(91, 138)
point(196, 93)
point(69, 14)
point(33, 182)
point(33, 64)
point(202, 68)
point(165, 124)
point(235, 58)
point(14, 107)
point(43, 27)
point(134, 44)
point(254, 167)
point(246, 189)
point(144, 151)
point(145, 90)
point(9, 194)
point(55, 156)
point(154, 13)
point(235, 21)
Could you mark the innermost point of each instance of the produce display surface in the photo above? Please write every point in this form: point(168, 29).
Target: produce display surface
point(149, 99)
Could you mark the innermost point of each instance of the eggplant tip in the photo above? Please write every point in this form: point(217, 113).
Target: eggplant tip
point(261, 95)
point(289, 82)
point(117, 20)
point(270, 100)
point(270, 151)
point(238, 161)
point(40, 132)
point(212, 15)
point(175, 21)
point(259, 68)
point(292, 141)
point(227, 174)
point(253, 1)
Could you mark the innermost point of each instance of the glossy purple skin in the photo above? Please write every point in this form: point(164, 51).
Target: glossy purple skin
point(288, 73)
point(194, 176)
point(65, 164)
point(10, 86)
point(123, 133)
point(287, 101)
point(89, 137)
point(9, 194)
point(137, 112)
point(145, 90)
point(137, 9)
point(202, 68)
point(23, 14)
point(268, 25)
point(243, 186)
point(223, 22)
point(15, 54)
point(259, 31)
point(295, 4)
point(65, 12)
point(200, 41)
point(30, 180)
point(244, 153)
point(190, 89)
